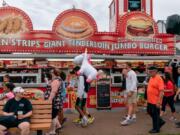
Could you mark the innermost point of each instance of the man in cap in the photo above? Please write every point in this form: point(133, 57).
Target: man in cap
point(21, 109)
point(154, 97)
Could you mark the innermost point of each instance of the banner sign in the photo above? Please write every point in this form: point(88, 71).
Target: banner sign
point(136, 46)
point(75, 30)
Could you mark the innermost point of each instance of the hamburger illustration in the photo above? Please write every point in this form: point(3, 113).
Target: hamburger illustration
point(74, 27)
point(140, 27)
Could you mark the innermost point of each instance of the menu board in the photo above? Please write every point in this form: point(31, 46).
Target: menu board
point(103, 94)
point(117, 97)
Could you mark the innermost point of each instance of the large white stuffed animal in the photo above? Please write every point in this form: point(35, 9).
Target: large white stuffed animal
point(79, 59)
point(88, 70)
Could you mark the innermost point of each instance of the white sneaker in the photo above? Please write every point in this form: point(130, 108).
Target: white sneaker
point(84, 122)
point(173, 119)
point(133, 119)
point(124, 117)
point(126, 122)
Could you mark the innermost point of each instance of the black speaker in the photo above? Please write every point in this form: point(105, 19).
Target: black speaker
point(103, 90)
point(173, 24)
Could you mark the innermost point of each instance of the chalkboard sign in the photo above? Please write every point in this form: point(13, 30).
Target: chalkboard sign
point(103, 94)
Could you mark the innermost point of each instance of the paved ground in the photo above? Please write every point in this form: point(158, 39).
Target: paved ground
point(108, 123)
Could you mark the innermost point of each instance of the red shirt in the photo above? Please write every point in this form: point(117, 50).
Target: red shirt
point(169, 86)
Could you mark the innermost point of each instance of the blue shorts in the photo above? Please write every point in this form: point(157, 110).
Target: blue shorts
point(15, 123)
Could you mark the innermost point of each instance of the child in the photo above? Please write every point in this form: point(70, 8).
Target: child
point(7, 94)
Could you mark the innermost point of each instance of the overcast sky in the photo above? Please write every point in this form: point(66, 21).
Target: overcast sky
point(44, 12)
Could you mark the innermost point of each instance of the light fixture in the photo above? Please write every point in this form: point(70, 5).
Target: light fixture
point(97, 60)
point(94, 60)
point(141, 60)
point(59, 59)
point(16, 59)
point(21, 53)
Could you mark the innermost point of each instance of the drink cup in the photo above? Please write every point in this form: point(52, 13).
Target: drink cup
point(20, 113)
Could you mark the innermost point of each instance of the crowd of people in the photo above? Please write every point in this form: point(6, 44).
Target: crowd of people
point(161, 91)
point(17, 110)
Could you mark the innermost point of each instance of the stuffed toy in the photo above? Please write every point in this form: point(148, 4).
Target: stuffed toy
point(88, 70)
point(79, 59)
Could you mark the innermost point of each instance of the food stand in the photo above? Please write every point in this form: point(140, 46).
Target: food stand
point(27, 54)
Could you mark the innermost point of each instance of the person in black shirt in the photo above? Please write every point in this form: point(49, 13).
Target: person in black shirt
point(21, 109)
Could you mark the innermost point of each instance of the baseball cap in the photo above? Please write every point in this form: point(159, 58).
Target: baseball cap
point(18, 90)
point(152, 68)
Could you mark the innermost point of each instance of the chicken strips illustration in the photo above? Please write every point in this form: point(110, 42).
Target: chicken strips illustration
point(12, 25)
point(17, 25)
